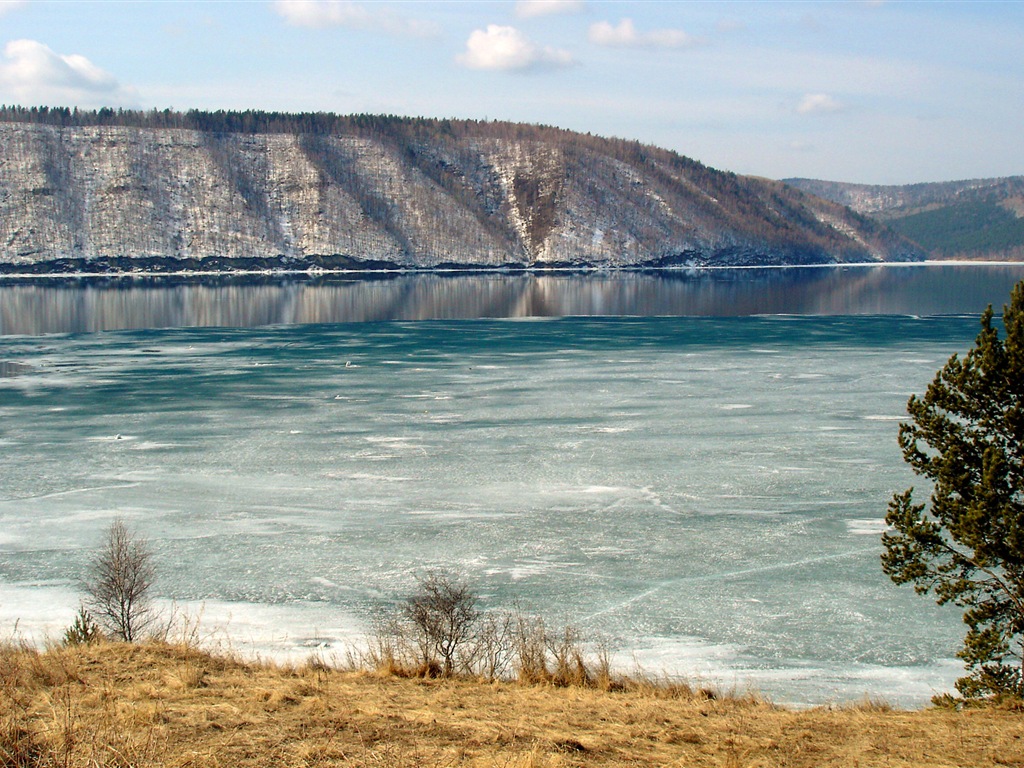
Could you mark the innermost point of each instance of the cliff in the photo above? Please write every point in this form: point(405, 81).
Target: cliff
point(389, 192)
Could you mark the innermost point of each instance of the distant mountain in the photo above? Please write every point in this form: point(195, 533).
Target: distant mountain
point(128, 191)
point(975, 219)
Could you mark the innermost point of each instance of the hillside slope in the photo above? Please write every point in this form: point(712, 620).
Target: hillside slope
point(977, 218)
point(128, 191)
point(156, 706)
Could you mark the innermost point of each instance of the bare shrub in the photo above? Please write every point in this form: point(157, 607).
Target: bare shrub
point(531, 650)
point(556, 657)
point(568, 657)
point(493, 645)
point(118, 584)
point(386, 651)
point(442, 614)
point(601, 666)
point(440, 631)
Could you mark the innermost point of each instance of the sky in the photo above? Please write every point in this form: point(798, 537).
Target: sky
point(861, 91)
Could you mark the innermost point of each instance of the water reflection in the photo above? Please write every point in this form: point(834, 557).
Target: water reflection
point(87, 305)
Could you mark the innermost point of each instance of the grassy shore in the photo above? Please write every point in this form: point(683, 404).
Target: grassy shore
point(122, 705)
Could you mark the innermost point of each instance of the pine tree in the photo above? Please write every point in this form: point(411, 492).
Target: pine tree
point(966, 436)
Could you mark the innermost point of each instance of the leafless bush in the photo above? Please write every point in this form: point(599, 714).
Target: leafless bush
point(440, 631)
point(493, 645)
point(556, 657)
point(387, 651)
point(118, 584)
point(530, 649)
point(442, 614)
point(568, 660)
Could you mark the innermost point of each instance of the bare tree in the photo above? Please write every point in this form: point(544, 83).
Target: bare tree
point(443, 613)
point(118, 584)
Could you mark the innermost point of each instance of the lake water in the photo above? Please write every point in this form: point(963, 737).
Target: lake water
point(707, 491)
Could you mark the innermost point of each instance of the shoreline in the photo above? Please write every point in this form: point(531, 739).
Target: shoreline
point(294, 634)
point(534, 271)
point(802, 688)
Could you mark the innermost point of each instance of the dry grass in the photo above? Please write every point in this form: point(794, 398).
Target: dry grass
point(164, 705)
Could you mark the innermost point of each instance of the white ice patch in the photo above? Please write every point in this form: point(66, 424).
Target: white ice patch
point(867, 527)
point(452, 514)
point(725, 667)
point(36, 612)
point(281, 633)
point(372, 478)
point(444, 418)
point(526, 569)
point(606, 550)
point(73, 491)
point(682, 659)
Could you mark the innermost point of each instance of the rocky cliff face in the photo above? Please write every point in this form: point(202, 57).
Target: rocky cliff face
point(125, 198)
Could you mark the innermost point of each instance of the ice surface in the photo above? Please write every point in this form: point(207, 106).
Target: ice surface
point(664, 482)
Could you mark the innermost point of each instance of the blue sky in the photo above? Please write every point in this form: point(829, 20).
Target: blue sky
point(851, 90)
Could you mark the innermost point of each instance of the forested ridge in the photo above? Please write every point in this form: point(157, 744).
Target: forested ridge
point(972, 218)
point(117, 188)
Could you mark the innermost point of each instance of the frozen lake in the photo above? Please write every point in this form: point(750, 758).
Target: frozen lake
point(706, 491)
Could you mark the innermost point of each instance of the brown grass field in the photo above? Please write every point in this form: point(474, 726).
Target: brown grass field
point(123, 705)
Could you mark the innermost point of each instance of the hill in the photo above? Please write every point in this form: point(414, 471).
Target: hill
point(106, 190)
point(161, 705)
point(974, 219)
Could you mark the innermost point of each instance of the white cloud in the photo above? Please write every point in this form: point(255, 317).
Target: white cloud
point(35, 74)
point(818, 103)
point(505, 48)
point(321, 14)
point(626, 35)
point(529, 9)
point(6, 6)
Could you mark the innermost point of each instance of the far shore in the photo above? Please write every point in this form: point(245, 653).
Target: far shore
point(533, 271)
